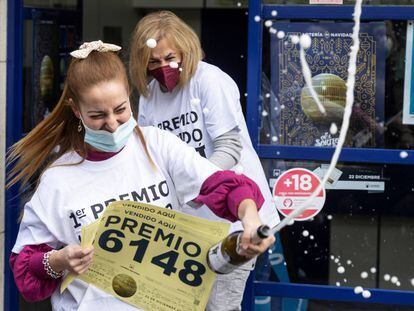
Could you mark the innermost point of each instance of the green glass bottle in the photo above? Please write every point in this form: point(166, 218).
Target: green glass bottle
point(225, 256)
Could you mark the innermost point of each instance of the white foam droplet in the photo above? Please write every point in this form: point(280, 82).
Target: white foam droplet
point(333, 129)
point(238, 4)
point(294, 39)
point(195, 101)
point(238, 169)
point(403, 154)
point(264, 113)
point(245, 94)
point(373, 270)
point(206, 110)
point(364, 274)
point(151, 43)
point(281, 34)
point(305, 251)
point(338, 284)
point(267, 95)
point(366, 294)
point(274, 13)
point(340, 269)
point(274, 139)
point(358, 290)
point(332, 257)
point(311, 237)
point(394, 279)
point(398, 283)
point(173, 64)
point(387, 277)
point(257, 18)
point(348, 262)
point(336, 260)
point(268, 23)
point(412, 282)
point(329, 217)
point(305, 41)
point(272, 30)
point(305, 233)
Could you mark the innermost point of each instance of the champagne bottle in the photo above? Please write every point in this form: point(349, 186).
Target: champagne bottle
point(225, 256)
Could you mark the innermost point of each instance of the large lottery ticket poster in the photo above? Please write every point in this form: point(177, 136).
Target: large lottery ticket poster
point(152, 257)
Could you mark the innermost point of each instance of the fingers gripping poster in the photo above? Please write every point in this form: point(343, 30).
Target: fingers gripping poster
point(150, 257)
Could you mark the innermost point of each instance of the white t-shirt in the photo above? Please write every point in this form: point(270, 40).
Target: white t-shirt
point(205, 108)
point(69, 197)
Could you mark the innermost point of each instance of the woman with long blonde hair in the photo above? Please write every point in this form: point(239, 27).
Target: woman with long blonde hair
point(89, 152)
point(201, 105)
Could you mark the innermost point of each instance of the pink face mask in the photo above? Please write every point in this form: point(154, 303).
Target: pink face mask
point(166, 76)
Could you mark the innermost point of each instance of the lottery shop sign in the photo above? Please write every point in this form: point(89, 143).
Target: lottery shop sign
point(293, 188)
point(152, 257)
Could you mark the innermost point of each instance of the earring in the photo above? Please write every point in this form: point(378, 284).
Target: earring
point(80, 126)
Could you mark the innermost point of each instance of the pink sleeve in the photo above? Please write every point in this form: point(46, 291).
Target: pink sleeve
point(29, 274)
point(223, 191)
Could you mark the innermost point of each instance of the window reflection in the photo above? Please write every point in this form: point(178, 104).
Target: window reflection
point(349, 2)
point(290, 116)
point(362, 237)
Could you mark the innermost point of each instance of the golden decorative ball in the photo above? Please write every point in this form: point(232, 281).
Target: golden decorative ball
point(331, 91)
point(124, 285)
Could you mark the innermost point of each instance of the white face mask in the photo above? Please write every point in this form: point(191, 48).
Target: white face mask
point(107, 141)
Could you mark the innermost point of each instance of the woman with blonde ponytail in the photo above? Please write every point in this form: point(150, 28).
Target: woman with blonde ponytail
point(89, 152)
point(199, 103)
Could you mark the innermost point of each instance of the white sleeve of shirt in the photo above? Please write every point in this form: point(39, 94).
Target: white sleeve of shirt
point(187, 169)
point(142, 121)
point(37, 224)
point(219, 97)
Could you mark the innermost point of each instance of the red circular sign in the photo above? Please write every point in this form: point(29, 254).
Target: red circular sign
point(293, 188)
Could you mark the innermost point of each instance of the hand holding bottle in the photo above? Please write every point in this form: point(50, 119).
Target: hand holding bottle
point(249, 217)
point(240, 246)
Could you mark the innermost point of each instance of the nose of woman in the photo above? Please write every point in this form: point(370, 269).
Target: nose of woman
point(111, 124)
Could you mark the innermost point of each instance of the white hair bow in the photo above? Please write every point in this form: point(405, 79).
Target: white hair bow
point(86, 48)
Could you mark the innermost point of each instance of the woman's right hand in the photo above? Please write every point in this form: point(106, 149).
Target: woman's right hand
point(250, 219)
point(73, 258)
